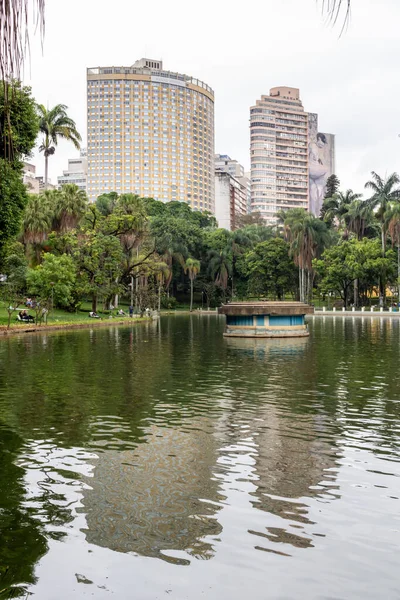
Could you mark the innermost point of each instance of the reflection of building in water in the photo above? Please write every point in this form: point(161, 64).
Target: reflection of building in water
point(149, 499)
point(293, 464)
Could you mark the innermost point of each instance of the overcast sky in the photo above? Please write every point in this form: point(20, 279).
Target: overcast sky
point(241, 49)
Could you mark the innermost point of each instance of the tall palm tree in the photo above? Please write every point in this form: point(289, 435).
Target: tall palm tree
point(192, 268)
point(337, 207)
point(220, 267)
point(307, 236)
point(36, 223)
point(393, 228)
point(70, 207)
point(358, 217)
point(385, 191)
point(55, 124)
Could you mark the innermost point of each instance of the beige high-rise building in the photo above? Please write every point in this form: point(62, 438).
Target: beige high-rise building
point(290, 160)
point(150, 132)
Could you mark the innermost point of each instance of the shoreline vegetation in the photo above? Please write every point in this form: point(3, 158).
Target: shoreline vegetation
point(83, 323)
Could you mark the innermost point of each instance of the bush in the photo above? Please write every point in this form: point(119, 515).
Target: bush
point(169, 303)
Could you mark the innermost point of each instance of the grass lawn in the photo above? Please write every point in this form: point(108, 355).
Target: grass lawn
point(61, 317)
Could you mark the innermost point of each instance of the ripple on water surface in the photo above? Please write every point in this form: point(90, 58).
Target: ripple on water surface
point(165, 460)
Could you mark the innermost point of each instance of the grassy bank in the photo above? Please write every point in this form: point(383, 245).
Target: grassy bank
point(61, 319)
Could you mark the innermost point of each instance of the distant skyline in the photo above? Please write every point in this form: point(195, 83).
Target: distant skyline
point(241, 51)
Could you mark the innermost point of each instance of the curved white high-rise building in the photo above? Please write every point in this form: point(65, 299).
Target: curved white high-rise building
point(150, 132)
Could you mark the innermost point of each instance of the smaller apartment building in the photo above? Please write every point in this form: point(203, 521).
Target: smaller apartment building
point(230, 200)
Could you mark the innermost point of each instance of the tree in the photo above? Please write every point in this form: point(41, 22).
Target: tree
point(253, 218)
point(220, 267)
point(359, 215)
point(332, 186)
point(53, 280)
point(340, 265)
point(192, 268)
point(106, 203)
point(335, 208)
point(270, 269)
point(337, 270)
point(21, 125)
point(385, 192)
point(12, 298)
point(307, 236)
point(13, 198)
point(55, 124)
point(36, 223)
point(70, 207)
point(392, 218)
point(18, 131)
point(98, 258)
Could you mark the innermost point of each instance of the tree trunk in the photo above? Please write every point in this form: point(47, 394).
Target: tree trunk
point(356, 293)
point(191, 295)
point(46, 170)
point(300, 283)
point(383, 241)
point(159, 297)
point(94, 302)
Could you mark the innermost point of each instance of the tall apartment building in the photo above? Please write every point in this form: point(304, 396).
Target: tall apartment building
point(290, 160)
point(150, 132)
point(230, 191)
point(76, 172)
point(223, 162)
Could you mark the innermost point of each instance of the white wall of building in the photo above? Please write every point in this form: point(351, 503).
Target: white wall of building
point(223, 200)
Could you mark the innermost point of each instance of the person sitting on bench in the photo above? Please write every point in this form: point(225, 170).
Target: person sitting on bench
point(24, 316)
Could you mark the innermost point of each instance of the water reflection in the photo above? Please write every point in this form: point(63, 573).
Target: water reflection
point(149, 448)
point(156, 498)
point(265, 348)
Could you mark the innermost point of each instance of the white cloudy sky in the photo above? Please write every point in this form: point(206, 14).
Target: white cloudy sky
point(241, 49)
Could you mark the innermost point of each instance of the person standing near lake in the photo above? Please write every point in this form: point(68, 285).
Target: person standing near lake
point(131, 311)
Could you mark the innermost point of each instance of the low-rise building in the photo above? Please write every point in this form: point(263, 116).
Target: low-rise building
point(29, 178)
point(76, 172)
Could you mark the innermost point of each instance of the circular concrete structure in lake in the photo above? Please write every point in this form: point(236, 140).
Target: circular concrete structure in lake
point(266, 319)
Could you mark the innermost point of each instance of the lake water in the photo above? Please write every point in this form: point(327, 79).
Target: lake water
point(162, 461)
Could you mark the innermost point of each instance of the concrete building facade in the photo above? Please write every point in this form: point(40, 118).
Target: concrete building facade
point(150, 132)
point(281, 149)
point(29, 178)
point(230, 200)
point(76, 172)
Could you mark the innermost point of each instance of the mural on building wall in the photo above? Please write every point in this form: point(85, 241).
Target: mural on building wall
point(321, 163)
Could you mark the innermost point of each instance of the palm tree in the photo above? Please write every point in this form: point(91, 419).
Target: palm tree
point(307, 236)
point(359, 216)
point(385, 191)
point(337, 207)
point(55, 124)
point(220, 267)
point(70, 207)
point(192, 268)
point(36, 223)
point(393, 228)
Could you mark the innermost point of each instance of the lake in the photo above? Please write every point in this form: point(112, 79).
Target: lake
point(161, 460)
